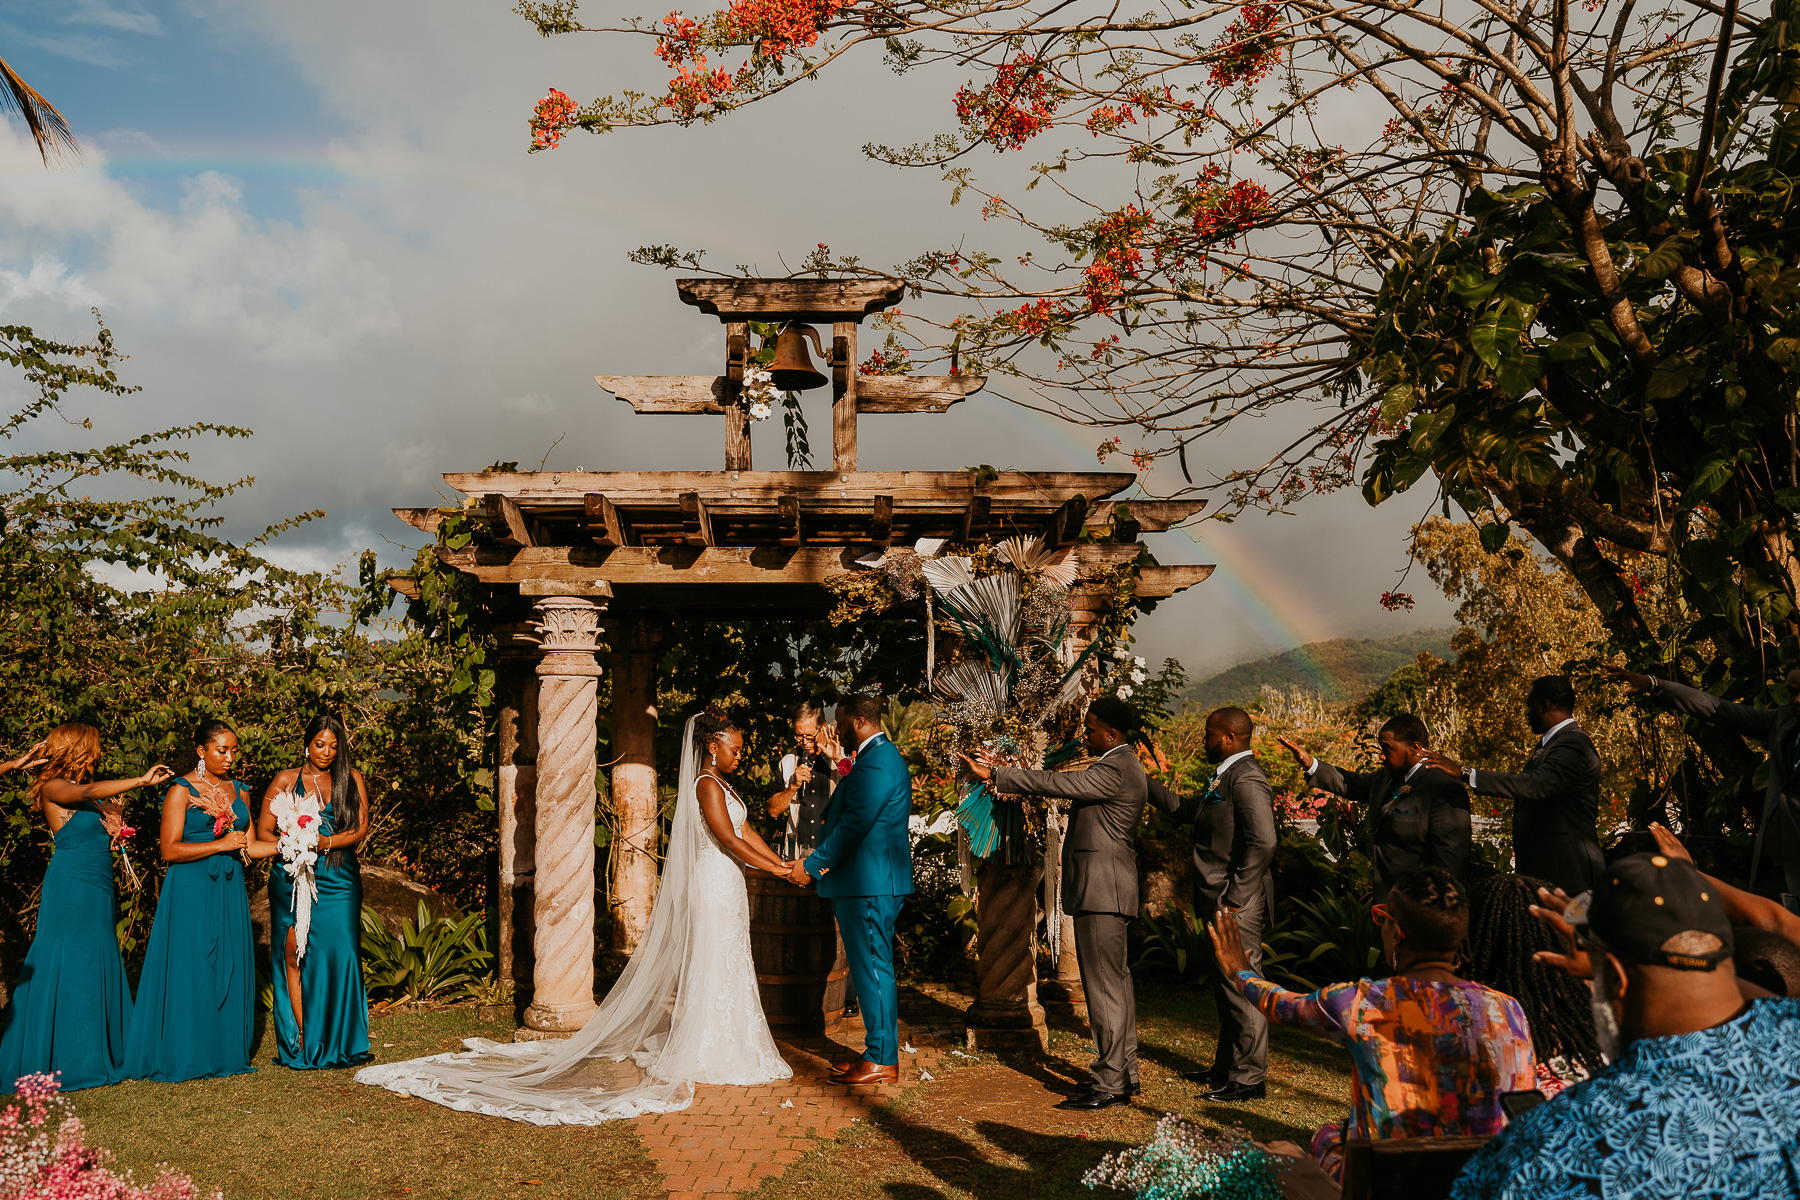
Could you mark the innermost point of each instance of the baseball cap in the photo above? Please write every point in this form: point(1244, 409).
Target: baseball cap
point(1644, 903)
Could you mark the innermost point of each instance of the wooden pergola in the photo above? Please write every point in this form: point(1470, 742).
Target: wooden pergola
point(642, 546)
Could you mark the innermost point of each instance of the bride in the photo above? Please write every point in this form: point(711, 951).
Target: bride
point(685, 1011)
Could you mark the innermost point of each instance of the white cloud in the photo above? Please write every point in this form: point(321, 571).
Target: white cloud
point(125, 19)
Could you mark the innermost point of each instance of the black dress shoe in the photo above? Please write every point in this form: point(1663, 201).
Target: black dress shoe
point(1210, 1079)
point(1089, 1100)
point(1237, 1093)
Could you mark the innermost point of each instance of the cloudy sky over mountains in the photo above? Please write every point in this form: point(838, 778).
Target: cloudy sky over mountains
point(319, 220)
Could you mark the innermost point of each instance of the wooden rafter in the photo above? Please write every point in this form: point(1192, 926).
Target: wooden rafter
point(815, 301)
point(510, 526)
point(790, 530)
point(705, 395)
point(974, 516)
point(881, 521)
point(696, 520)
point(1065, 523)
point(603, 513)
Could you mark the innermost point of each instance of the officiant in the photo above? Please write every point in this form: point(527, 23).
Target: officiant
point(809, 775)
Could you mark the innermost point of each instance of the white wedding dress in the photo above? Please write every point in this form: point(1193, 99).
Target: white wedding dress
point(685, 1011)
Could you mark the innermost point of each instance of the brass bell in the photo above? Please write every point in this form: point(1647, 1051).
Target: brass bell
point(793, 369)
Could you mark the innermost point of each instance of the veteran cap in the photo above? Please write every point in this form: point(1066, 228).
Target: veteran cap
point(1646, 909)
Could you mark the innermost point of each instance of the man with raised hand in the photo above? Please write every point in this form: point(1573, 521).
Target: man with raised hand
point(1778, 831)
point(1421, 814)
point(1702, 1094)
point(1234, 841)
point(1556, 797)
point(864, 867)
point(1100, 883)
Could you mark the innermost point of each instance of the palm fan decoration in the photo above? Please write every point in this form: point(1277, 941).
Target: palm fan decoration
point(48, 127)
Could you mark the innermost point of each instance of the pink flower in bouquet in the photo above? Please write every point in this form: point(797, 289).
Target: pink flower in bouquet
point(44, 1155)
point(220, 823)
point(304, 820)
point(126, 831)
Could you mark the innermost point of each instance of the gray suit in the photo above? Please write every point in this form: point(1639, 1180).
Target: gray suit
point(1234, 842)
point(1100, 888)
point(1778, 830)
point(1556, 802)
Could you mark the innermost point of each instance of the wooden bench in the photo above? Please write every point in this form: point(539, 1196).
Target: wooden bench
point(1418, 1168)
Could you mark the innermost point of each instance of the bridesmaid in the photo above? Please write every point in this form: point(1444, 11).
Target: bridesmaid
point(321, 1011)
point(196, 1000)
point(71, 1007)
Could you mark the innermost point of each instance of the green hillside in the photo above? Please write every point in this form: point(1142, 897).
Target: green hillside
point(1340, 669)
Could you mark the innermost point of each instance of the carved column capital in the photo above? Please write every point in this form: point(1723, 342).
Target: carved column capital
point(568, 635)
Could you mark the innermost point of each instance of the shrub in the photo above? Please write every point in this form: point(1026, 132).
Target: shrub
point(432, 959)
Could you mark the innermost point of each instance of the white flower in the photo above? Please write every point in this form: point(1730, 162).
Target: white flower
point(1137, 677)
point(760, 412)
point(1121, 652)
point(1137, 662)
point(1125, 692)
point(756, 375)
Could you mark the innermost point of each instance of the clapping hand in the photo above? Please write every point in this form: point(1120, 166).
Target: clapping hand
point(1549, 910)
point(1668, 843)
point(1636, 682)
point(1299, 752)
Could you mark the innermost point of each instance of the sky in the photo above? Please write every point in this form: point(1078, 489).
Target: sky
point(320, 221)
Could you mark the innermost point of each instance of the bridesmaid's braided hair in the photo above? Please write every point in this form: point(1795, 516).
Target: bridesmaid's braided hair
point(1502, 937)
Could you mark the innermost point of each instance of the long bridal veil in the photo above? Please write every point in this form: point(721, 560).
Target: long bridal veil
point(635, 1054)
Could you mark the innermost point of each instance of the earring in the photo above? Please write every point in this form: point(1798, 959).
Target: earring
point(714, 758)
point(200, 766)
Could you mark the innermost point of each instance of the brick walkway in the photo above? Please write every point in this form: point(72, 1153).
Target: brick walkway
point(732, 1138)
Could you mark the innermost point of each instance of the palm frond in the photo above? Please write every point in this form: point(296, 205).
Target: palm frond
point(1030, 556)
point(970, 680)
point(993, 600)
point(927, 547)
point(946, 573)
point(48, 127)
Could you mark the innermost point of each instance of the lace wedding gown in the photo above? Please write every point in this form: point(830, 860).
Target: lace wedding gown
point(685, 1011)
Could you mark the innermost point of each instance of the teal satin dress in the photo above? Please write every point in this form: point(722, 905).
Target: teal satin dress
point(195, 1015)
point(71, 1004)
point(332, 998)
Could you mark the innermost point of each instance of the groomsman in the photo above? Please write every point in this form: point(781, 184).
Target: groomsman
point(1234, 842)
point(1776, 728)
point(1421, 813)
point(1100, 883)
point(1556, 798)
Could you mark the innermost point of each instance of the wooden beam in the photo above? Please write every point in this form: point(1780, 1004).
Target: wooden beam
point(737, 417)
point(814, 301)
point(424, 519)
point(974, 516)
point(406, 585)
point(1159, 583)
point(602, 512)
point(914, 393)
point(669, 393)
point(592, 588)
point(648, 488)
point(510, 526)
point(844, 385)
point(881, 524)
point(792, 533)
point(1064, 526)
point(691, 566)
point(1151, 516)
point(696, 520)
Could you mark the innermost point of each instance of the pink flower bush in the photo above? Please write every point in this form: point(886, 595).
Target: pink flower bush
point(44, 1155)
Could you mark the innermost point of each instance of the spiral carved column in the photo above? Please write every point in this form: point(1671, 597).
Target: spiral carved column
point(563, 939)
point(1006, 1014)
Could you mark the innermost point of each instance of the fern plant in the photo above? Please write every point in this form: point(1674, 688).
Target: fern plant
point(434, 958)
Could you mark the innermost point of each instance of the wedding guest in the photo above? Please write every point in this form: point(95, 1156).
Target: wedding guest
point(808, 778)
point(1777, 845)
point(1556, 797)
point(1100, 883)
point(1503, 937)
point(196, 999)
point(1421, 814)
point(1702, 1096)
point(1234, 842)
point(1431, 1053)
point(71, 1004)
point(321, 1010)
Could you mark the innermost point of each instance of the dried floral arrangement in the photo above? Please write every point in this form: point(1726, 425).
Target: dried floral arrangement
point(1185, 1162)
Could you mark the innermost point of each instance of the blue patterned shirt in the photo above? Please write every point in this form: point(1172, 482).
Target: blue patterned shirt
point(1713, 1115)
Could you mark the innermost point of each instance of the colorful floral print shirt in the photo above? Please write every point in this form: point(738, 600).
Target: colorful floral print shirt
point(1713, 1115)
point(1429, 1059)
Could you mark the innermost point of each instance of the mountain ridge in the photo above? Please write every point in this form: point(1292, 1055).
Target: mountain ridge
point(1337, 669)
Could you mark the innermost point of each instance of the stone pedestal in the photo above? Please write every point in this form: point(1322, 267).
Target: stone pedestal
point(563, 940)
point(636, 644)
point(1006, 1015)
point(515, 798)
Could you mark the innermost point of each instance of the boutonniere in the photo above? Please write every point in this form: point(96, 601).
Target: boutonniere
point(1404, 788)
point(844, 765)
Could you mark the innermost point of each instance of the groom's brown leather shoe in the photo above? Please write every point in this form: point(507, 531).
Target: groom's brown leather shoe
point(867, 1072)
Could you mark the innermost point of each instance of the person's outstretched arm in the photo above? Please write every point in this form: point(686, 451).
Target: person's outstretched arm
point(1302, 1010)
point(1743, 908)
point(1557, 772)
point(1180, 809)
point(1756, 723)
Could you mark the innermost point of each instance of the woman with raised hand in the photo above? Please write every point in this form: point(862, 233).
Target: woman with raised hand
point(196, 999)
point(71, 1004)
point(321, 1011)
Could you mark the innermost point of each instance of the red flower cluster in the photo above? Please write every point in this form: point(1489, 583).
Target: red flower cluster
point(777, 25)
point(1117, 257)
point(1396, 601)
point(1108, 117)
point(1220, 214)
point(553, 117)
point(1249, 48)
point(1110, 447)
point(1019, 104)
point(1037, 318)
point(882, 362)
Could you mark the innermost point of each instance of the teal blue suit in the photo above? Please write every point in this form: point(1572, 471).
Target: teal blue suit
point(864, 867)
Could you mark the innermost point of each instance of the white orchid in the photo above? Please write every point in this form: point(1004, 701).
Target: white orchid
point(1138, 662)
point(1121, 652)
point(1137, 677)
point(760, 412)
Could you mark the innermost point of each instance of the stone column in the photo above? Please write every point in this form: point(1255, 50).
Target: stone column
point(634, 865)
point(1006, 1014)
point(563, 941)
point(515, 796)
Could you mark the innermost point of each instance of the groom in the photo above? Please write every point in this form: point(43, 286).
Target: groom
point(864, 867)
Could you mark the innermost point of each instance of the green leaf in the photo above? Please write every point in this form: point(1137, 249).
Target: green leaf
point(1495, 535)
point(1397, 402)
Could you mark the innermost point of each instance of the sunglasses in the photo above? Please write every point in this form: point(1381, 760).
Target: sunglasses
point(1381, 914)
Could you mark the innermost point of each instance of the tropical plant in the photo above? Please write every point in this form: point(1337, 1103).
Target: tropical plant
point(1331, 938)
point(1175, 947)
point(47, 127)
point(432, 958)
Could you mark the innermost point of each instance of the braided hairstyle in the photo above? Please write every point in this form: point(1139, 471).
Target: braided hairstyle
point(1503, 936)
point(709, 727)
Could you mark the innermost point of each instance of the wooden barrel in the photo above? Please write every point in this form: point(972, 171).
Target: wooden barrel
point(801, 972)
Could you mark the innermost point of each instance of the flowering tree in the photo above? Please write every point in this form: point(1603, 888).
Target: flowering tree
point(1533, 249)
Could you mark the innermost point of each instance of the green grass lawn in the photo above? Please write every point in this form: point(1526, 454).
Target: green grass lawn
point(984, 1130)
point(282, 1133)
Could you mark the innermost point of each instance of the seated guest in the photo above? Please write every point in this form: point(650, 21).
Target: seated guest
point(1503, 936)
point(1431, 1053)
point(1703, 1094)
